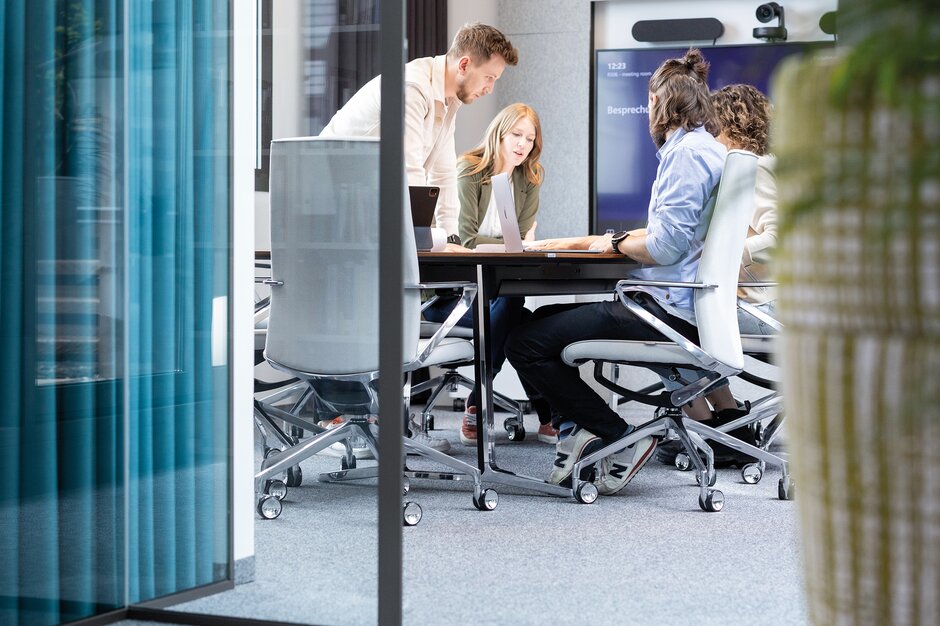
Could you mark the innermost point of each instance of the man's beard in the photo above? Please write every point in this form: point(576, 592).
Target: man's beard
point(658, 136)
point(462, 94)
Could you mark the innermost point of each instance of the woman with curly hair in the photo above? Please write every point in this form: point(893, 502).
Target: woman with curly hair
point(744, 117)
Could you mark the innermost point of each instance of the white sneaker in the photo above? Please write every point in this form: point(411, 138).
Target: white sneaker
point(338, 450)
point(435, 443)
point(619, 469)
point(569, 451)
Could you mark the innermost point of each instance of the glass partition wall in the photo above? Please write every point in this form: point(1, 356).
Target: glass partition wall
point(114, 243)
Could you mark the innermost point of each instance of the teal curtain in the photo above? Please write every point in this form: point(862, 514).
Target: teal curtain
point(178, 192)
point(114, 179)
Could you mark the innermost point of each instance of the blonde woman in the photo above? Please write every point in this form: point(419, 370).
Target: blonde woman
point(512, 145)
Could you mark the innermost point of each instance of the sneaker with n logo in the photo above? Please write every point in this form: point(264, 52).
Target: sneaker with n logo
point(619, 469)
point(568, 451)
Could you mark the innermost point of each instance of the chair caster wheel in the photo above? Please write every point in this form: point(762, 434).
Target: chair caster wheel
point(712, 478)
point(516, 433)
point(752, 473)
point(786, 489)
point(411, 513)
point(586, 493)
point(486, 500)
point(295, 477)
point(683, 463)
point(713, 502)
point(429, 423)
point(405, 486)
point(269, 507)
point(275, 488)
point(347, 464)
point(460, 405)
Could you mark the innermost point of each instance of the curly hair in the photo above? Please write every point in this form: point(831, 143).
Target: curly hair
point(485, 157)
point(744, 115)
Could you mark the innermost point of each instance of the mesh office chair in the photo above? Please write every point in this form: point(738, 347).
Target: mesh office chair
point(324, 313)
point(718, 357)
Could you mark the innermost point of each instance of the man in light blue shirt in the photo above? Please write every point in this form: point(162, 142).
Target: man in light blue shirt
point(682, 125)
point(690, 164)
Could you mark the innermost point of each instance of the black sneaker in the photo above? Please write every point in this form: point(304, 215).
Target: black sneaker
point(569, 451)
point(724, 456)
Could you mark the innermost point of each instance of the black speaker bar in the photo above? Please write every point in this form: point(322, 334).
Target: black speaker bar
point(694, 29)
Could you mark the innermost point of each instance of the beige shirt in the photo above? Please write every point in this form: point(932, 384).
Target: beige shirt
point(755, 265)
point(430, 155)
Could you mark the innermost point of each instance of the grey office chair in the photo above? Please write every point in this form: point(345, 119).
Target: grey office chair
point(450, 378)
point(324, 313)
point(718, 356)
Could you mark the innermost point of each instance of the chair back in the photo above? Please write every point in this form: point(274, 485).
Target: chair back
point(716, 309)
point(325, 203)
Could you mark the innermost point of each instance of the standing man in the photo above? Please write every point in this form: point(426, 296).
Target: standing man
point(435, 88)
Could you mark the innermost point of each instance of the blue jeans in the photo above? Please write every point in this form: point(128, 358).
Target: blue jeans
point(750, 325)
point(534, 349)
point(505, 314)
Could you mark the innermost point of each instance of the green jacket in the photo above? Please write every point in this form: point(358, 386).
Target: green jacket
point(475, 198)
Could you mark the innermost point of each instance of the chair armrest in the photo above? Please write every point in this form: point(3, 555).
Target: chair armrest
point(753, 311)
point(757, 284)
point(468, 293)
point(705, 360)
point(664, 283)
point(460, 284)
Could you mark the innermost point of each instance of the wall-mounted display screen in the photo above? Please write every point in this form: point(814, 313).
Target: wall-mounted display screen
point(624, 157)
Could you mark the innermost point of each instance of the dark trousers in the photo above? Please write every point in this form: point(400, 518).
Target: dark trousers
point(505, 315)
point(534, 349)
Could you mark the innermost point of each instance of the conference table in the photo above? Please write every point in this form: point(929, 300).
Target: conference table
point(523, 274)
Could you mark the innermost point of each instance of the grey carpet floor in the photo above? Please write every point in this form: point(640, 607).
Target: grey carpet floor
point(647, 555)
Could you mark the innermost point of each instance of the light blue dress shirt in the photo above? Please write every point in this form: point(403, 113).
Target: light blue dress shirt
point(683, 196)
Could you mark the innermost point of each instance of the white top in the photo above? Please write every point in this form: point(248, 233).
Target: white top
point(755, 264)
point(489, 225)
point(430, 155)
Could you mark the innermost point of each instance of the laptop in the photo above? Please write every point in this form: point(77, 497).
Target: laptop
point(423, 203)
point(506, 210)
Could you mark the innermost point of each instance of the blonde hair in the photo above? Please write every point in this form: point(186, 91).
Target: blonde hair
point(744, 116)
point(480, 42)
point(485, 156)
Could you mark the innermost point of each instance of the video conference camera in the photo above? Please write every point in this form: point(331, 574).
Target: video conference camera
point(765, 13)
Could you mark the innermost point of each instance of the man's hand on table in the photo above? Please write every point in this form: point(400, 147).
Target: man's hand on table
point(455, 247)
point(565, 243)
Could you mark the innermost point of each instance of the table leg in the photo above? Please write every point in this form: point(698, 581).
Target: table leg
point(483, 370)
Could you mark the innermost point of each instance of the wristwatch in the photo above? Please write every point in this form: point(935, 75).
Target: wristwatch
point(616, 238)
point(453, 239)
